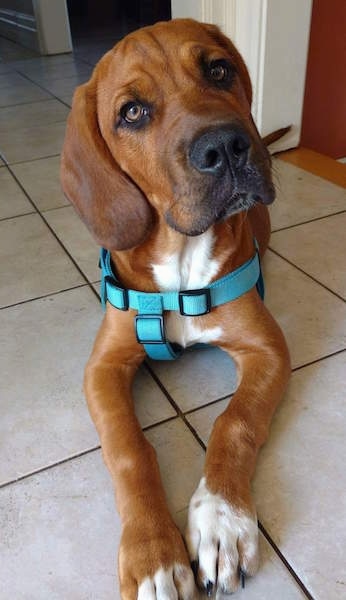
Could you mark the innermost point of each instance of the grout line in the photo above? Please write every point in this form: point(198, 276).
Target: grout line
point(193, 410)
point(31, 212)
point(163, 422)
point(51, 466)
point(56, 293)
point(307, 274)
point(45, 210)
point(27, 102)
point(21, 162)
point(285, 561)
point(340, 212)
point(317, 360)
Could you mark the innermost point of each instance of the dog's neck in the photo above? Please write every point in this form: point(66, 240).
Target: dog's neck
point(169, 260)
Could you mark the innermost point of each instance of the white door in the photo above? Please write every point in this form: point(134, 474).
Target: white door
point(273, 38)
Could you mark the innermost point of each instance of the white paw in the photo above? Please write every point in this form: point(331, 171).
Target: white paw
point(221, 540)
point(175, 583)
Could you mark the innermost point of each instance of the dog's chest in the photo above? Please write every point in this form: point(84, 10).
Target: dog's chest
point(190, 268)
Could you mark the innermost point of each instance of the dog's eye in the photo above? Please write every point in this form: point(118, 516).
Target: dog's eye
point(219, 72)
point(133, 112)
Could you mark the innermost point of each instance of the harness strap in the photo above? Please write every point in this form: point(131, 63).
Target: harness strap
point(150, 306)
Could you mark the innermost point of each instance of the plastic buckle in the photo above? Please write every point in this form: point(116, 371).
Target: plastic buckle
point(161, 331)
point(118, 288)
point(202, 292)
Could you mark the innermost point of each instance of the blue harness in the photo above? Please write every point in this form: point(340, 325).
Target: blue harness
point(150, 306)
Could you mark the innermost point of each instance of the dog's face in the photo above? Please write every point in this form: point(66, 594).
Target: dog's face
point(172, 106)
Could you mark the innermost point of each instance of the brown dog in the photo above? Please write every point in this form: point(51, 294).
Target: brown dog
point(164, 164)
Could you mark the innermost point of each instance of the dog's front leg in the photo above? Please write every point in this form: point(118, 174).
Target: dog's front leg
point(222, 534)
point(153, 562)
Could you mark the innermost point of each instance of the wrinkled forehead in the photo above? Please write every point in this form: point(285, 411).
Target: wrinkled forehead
point(164, 52)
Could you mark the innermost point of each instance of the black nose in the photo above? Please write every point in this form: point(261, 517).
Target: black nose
point(217, 150)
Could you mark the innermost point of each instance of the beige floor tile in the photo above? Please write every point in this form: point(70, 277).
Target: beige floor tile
point(13, 201)
point(181, 460)
point(11, 79)
point(319, 248)
point(151, 405)
point(41, 180)
point(77, 239)
point(198, 377)
point(10, 51)
point(65, 86)
point(300, 479)
point(301, 482)
point(93, 55)
point(46, 63)
point(202, 420)
point(302, 196)
point(313, 320)
point(44, 413)
point(5, 68)
point(32, 262)
point(34, 114)
point(33, 142)
point(20, 94)
point(46, 73)
point(61, 532)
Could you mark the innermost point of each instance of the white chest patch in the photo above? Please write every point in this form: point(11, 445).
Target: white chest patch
point(191, 268)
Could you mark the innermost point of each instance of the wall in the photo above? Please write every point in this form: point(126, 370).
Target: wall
point(324, 114)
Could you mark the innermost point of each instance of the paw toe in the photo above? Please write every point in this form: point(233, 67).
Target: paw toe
point(222, 542)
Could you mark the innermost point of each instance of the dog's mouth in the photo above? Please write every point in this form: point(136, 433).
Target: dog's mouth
point(193, 218)
point(243, 201)
point(192, 222)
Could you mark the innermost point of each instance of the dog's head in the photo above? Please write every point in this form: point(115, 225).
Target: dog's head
point(163, 130)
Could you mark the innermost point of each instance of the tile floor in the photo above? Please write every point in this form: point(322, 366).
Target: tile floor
point(59, 528)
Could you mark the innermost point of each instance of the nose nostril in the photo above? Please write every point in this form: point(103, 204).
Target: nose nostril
point(220, 150)
point(212, 159)
point(239, 147)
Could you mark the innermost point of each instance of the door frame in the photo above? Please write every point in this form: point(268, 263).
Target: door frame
point(273, 38)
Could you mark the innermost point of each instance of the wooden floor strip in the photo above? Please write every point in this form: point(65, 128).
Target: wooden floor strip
point(316, 163)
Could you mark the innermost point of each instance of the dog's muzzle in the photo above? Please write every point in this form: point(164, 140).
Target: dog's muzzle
point(226, 155)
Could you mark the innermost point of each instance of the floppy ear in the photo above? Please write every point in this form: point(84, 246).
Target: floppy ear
point(226, 43)
point(108, 201)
